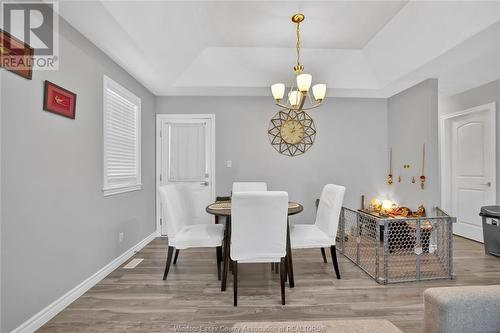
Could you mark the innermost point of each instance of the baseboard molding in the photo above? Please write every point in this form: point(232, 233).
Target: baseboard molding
point(39, 319)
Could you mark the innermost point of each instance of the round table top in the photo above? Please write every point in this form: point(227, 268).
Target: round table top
point(223, 208)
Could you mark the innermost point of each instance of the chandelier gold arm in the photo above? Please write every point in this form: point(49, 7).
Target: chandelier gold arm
point(297, 109)
point(300, 107)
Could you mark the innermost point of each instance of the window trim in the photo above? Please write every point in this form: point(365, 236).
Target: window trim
point(108, 189)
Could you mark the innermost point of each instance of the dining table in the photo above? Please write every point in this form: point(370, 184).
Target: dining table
point(223, 209)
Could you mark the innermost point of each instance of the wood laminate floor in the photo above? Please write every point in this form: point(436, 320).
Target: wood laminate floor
point(138, 300)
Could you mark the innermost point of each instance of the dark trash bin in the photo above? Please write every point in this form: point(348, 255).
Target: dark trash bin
point(491, 229)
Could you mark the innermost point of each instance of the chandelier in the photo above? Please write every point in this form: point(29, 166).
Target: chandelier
point(299, 94)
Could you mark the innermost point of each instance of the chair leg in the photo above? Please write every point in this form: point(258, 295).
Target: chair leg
point(235, 282)
point(175, 257)
point(218, 251)
point(276, 268)
point(334, 259)
point(289, 268)
point(169, 260)
point(272, 267)
point(282, 280)
point(324, 255)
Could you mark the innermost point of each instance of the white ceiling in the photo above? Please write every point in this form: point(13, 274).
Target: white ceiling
point(359, 49)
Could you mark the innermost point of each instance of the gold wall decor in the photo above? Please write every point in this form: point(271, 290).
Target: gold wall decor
point(291, 132)
point(422, 176)
point(389, 176)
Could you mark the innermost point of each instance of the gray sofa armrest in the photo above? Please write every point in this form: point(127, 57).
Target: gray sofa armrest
point(462, 309)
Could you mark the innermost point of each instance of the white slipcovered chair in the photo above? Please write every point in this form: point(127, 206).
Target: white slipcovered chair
point(182, 233)
point(249, 186)
point(323, 232)
point(258, 231)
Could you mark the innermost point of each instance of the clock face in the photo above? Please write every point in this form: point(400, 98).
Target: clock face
point(291, 133)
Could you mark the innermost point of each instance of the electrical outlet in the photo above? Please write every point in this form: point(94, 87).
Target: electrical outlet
point(229, 164)
point(120, 237)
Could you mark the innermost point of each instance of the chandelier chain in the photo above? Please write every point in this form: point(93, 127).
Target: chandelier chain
point(298, 45)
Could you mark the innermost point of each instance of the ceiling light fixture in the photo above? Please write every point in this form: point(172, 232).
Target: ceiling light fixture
point(297, 95)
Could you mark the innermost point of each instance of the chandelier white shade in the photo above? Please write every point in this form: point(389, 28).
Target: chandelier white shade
point(278, 90)
point(319, 91)
point(304, 82)
point(294, 97)
point(298, 95)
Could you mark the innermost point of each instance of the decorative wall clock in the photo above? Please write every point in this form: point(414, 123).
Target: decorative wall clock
point(291, 132)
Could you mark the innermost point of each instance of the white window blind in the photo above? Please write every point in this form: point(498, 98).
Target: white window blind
point(122, 139)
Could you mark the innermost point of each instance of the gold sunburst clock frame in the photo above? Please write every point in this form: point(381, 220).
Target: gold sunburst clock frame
point(292, 132)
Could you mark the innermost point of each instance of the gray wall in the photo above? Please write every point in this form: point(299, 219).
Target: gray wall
point(413, 121)
point(351, 140)
point(484, 94)
point(57, 228)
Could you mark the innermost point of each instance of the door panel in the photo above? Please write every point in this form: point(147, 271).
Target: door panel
point(469, 198)
point(186, 154)
point(470, 159)
point(470, 148)
point(187, 158)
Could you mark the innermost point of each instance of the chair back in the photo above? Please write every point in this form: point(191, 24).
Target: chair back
point(175, 201)
point(258, 228)
point(330, 206)
point(249, 186)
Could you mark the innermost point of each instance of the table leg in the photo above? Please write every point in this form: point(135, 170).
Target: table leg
point(227, 240)
point(291, 280)
point(286, 268)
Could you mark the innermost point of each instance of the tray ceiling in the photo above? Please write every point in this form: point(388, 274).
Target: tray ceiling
point(359, 49)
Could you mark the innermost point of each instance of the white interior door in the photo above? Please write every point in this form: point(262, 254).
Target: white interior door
point(185, 157)
point(470, 167)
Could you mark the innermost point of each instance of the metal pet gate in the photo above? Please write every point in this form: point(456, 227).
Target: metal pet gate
point(394, 250)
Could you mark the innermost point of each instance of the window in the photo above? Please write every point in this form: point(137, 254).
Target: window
point(122, 139)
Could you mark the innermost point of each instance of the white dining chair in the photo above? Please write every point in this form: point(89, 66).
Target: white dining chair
point(249, 186)
point(181, 233)
point(323, 232)
point(258, 231)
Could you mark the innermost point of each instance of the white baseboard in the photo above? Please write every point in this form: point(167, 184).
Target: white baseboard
point(39, 319)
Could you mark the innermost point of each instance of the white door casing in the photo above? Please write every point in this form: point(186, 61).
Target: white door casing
point(185, 156)
point(468, 166)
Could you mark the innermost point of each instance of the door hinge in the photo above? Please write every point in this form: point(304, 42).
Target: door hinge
point(161, 221)
point(161, 133)
point(160, 177)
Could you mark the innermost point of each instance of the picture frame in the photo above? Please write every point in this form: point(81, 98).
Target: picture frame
point(59, 100)
point(15, 55)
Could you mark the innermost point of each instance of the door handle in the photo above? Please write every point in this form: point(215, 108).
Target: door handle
point(486, 184)
point(204, 183)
